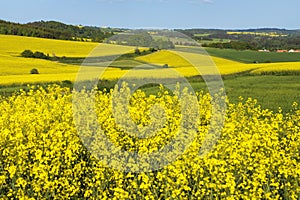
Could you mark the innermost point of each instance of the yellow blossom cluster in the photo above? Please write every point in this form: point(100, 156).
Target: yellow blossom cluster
point(43, 155)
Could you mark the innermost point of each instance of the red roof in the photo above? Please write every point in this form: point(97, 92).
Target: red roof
point(280, 51)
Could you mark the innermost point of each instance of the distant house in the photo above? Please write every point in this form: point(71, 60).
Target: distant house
point(281, 51)
point(264, 50)
point(294, 51)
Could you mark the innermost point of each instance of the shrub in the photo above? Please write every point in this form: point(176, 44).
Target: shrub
point(152, 49)
point(27, 54)
point(66, 83)
point(166, 66)
point(37, 54)
point(137, 51)
point(41, 55)
point(34, 71)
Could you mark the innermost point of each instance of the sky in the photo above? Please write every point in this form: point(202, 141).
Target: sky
point(171, 14)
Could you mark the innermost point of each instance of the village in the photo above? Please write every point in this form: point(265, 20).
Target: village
point(281, 51)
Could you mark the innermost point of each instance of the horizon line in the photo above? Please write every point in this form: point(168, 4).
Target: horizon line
point(157, 27)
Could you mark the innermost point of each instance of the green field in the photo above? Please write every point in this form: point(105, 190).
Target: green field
point(214, 40)
point(210, 41)
point(254, 56)
point(40, 116)
point(202, 35)
point(271, 92)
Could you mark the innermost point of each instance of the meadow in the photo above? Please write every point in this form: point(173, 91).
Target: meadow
point(254, 56)
point(51, 147)
point(271, 92)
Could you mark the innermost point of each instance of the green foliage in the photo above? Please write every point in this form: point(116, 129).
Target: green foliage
point(288, 39)
point(34, 71)
point(27, 54)
point(142, 39)
point(162, 44)
point(37, 54)
point(152, 49)
point(166, 66)
point(231, 45)
point(137, 51)
point(56, 30)
point(40, 55)
point(270, 91)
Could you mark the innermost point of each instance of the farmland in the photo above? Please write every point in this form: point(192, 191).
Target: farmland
point(42, 155)
point(253, 56)
point(51, 147)
point(271, 34)
point(15, 69)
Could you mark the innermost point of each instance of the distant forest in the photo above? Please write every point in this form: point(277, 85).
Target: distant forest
point(140, 39)
point(56, 30)
point(286, 39)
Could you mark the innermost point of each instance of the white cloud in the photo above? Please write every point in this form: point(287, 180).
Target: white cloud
point(201, 1)
point(208, 1)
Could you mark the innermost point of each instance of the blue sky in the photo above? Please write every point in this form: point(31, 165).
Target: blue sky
point(158, 13)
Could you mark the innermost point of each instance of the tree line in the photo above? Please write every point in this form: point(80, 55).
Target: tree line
point(289, 39)
point(271, 44)
point(142, 39)
point(56, 30)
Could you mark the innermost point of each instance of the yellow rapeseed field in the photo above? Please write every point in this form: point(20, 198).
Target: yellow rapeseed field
point(14, 45)
point(40, 78)
point(22, 66)
point(43, 157)
point(271, 34)
point(278, 68)
point(49, 140)
point(178, 60)
point(16, 69)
